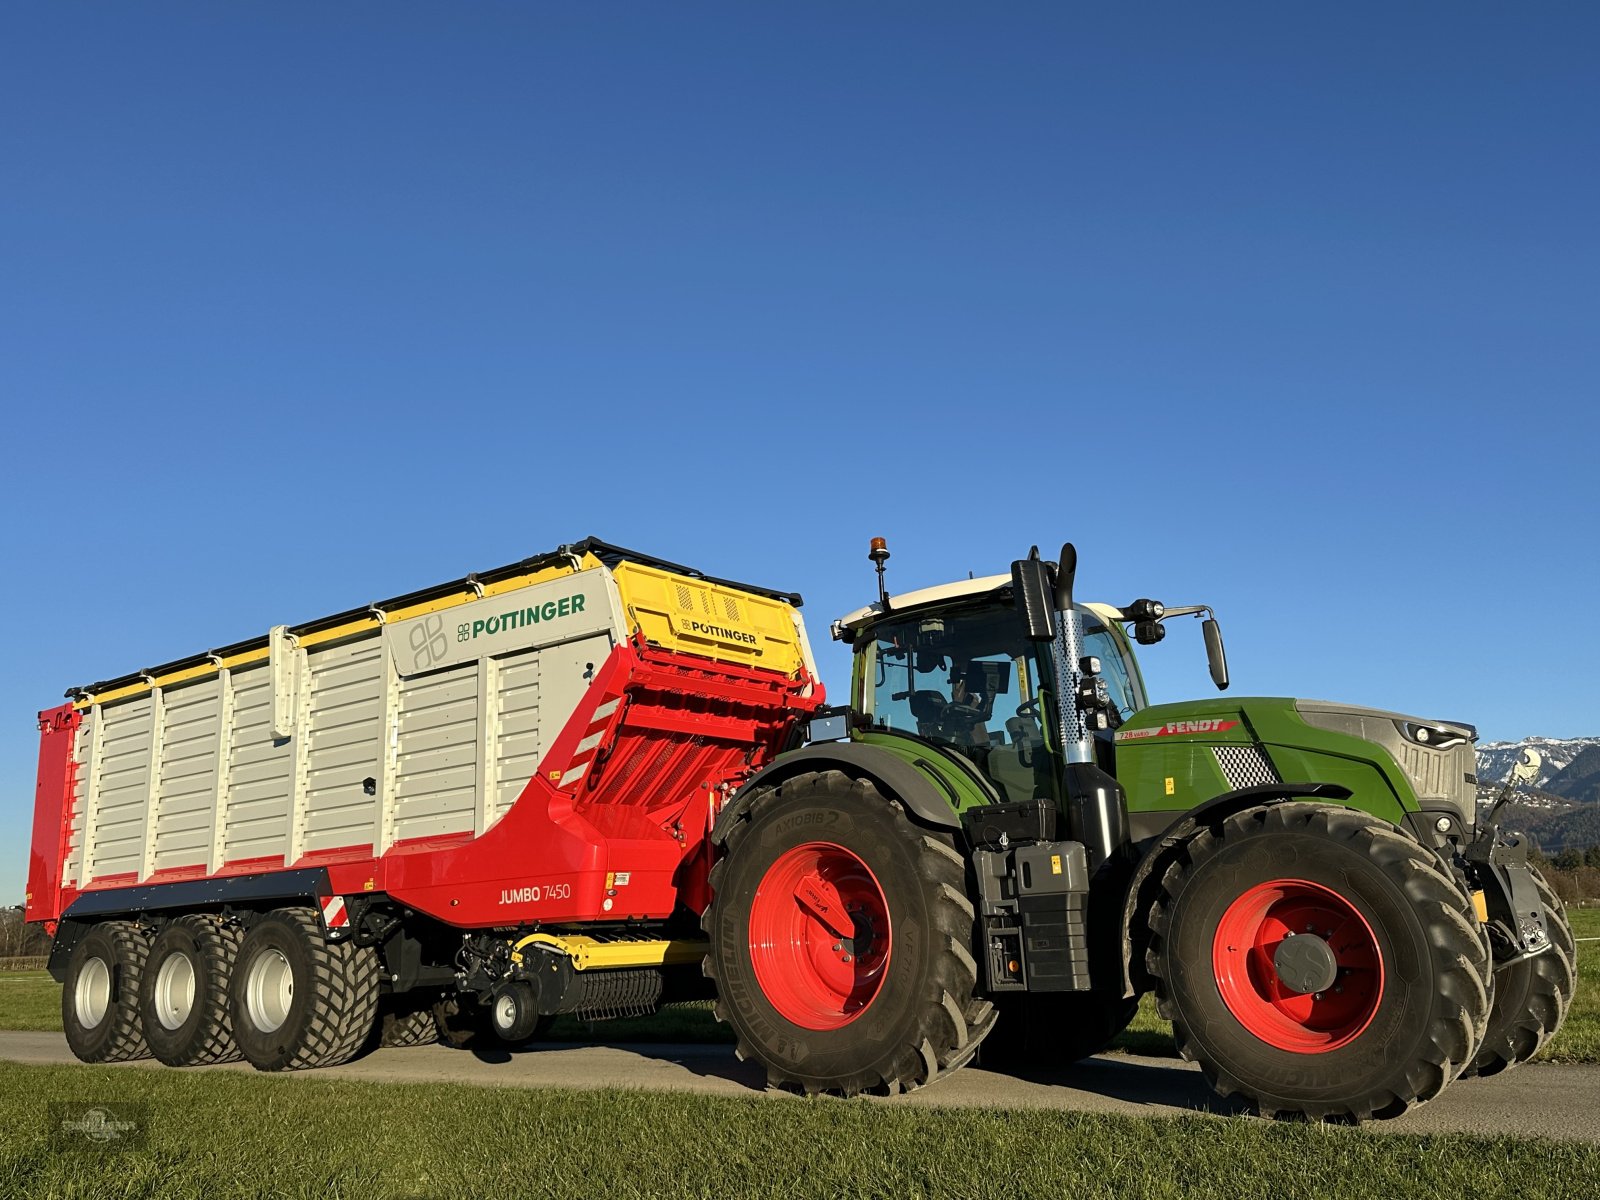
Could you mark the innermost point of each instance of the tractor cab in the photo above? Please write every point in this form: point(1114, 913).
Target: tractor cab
point(954, 665)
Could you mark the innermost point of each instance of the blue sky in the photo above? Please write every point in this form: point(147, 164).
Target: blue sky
point(1286, 309)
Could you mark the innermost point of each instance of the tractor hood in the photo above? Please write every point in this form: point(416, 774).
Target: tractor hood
point(1394, 764)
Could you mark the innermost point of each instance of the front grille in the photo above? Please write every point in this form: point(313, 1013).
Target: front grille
point(1246, 766)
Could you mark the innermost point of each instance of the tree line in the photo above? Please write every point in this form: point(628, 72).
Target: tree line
point(19, 939)
point(1573, 873)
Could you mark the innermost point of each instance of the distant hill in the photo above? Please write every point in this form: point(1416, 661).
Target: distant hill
point(1562, 808)
point(1579, 780)
point(1495, 759)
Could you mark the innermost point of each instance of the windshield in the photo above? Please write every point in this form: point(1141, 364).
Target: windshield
point(968, 678)
point(1100, 642)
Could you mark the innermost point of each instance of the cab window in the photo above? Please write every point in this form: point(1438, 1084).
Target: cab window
point(967, 679)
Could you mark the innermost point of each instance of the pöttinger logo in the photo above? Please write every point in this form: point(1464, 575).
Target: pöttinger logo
point(428, 642)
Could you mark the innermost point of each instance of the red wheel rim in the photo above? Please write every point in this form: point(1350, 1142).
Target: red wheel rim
point(1243, 957)
point(819, 935)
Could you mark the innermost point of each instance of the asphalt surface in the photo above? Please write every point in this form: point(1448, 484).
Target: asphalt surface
point(1536, 1100)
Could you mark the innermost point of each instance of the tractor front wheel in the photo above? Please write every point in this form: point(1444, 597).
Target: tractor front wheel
point(839, 941)
point(1316, 962)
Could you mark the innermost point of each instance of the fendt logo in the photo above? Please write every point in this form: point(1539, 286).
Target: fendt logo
point(519, 618)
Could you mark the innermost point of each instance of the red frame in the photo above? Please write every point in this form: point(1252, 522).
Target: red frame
point(623, 838)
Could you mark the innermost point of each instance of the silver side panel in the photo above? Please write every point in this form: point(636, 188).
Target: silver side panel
point(344, 722)
point(115, 843)
point(424, 728)
point(187, 777)
point(516, 749)
point(255, 805)
point(436, 753)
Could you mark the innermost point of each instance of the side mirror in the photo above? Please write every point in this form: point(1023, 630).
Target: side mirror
point(1035, 596)
point(1215, 656)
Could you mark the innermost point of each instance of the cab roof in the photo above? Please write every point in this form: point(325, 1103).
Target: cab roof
point(944, 593)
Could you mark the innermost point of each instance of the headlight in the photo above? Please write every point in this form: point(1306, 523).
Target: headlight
point(1436, 737)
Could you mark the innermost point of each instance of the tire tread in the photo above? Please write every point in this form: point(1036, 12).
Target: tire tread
point(1455, 1027)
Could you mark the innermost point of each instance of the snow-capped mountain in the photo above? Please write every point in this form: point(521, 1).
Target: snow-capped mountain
point(1562, 808)
point(1495, 759)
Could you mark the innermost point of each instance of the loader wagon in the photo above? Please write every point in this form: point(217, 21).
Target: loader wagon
point(506, 780)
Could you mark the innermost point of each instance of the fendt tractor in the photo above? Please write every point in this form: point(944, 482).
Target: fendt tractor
point(595, 782)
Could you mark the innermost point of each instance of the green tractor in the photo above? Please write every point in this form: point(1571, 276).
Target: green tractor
point(1000, 845)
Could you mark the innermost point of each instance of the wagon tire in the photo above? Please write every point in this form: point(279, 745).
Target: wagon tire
point(407, 1028)
point(299, 1000)
point(100, 999)
point(183, 1004)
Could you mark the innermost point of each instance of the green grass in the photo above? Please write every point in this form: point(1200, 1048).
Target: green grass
point(1579, 1038)
point(29, 1000)
point(223, 1134)
point(32, 1000)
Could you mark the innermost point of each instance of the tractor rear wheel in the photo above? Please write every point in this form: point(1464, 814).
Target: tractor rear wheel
point(1055, 1029)
point(1531, 995)
point(100, 1002)
point(840, 936)
point(1317, 962)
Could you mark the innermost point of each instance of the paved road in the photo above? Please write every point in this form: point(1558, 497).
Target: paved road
point(1555, 1101)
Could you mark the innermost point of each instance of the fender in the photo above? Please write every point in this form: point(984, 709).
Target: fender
point(923, 794)
point(1219, 806)
point(194, 895)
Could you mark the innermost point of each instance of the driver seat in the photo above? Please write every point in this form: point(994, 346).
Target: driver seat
point(928, 708)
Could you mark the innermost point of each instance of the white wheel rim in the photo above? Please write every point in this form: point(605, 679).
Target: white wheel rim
point(269, 990)
point(505, 1012)
point(174, 991)
point(91, 996)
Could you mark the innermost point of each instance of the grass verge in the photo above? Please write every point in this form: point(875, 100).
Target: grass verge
point(222, 1134)
point(29, 1000)
point(1579, 1038)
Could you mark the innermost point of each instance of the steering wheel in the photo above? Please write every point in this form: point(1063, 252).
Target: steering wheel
point(1029, 708)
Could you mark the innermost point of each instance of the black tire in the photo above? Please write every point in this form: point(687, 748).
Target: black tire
point(1423, 1022)
point(1054, 1029)
point(407, 1028)
point(100, 1002)
point(299, 1000)
point(183, 1003)
point(923, 1020)
point(514, 1013)
point(1531, 995)
point(464, 1024)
